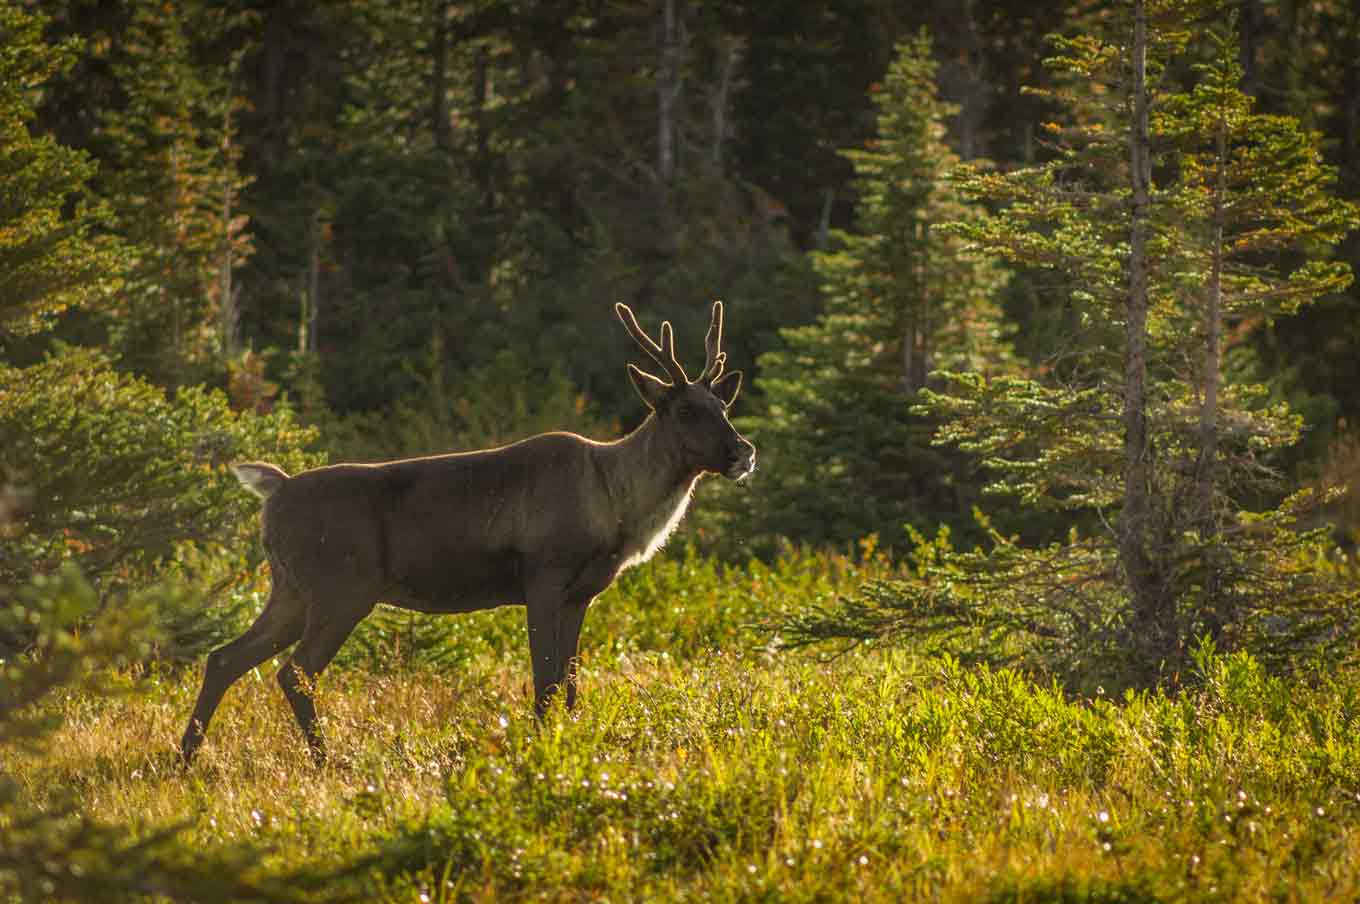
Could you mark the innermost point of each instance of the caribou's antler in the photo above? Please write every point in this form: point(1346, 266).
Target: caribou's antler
point(663, 354)
point(714, 356)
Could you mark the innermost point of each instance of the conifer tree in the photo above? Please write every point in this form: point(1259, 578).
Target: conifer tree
point(52, 253)
point(900, 301)
point(1136, 431)
point(172, 179)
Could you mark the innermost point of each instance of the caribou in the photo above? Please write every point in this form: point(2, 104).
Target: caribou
point(547, 523)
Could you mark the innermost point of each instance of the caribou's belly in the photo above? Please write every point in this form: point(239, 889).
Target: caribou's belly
point(458, 586)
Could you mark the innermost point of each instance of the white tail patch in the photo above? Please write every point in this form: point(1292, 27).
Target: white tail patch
point(261, 478)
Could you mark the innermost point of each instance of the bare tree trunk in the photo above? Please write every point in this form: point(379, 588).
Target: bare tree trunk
point(481, 90)
point(1216, 614)
point(229, 313)
point(311, 296)
point(666, 90)
point(909, 349)
point(175, 355)
point(439, 93)
point(1134, 519)
point(916, 319)
point(925, 321)
point(972, 110)
point(728, 65)
point(1213, 328)
point(1249, 32)
point(1350, 142)
point(824, 220)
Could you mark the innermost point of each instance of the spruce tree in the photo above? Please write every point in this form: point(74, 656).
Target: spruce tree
point(1166, 210)
point(844, 457)
point(53, 255)
point(172, 177)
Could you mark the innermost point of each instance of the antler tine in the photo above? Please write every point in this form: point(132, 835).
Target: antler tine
point(717, 371)
point(672, 365)
point(663, 354)
point(713, 354)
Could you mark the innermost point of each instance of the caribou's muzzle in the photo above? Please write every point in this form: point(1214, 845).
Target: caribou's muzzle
point(741, 461)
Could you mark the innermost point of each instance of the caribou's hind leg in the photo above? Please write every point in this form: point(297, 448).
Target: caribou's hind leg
point(279, 625)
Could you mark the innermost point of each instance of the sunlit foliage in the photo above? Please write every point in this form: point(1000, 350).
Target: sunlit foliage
point(1214, 558)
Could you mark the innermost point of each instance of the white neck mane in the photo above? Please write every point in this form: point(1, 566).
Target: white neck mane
point(656, 529)
point(652, 489)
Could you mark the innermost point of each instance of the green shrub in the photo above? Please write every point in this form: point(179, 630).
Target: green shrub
point(132, 485)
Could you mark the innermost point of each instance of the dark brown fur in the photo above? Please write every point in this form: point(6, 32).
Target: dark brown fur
point(547, 522)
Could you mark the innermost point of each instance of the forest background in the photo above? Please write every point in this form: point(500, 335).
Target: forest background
point(355, 231)
point(410, 220)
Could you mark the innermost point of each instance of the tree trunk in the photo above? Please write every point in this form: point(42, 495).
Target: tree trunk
point(1140, 575)
point(228, 312)
point(311, 300)
point(439, 89)
point(1350, 116)
point(1249, 32)
point(1216, 614)
point(1213, 328)
point(727, 65)
point(481, 90)
point(666, 91)
point(823, 239)
point(916, 320)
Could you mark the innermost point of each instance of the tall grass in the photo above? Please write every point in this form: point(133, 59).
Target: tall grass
point(701, 766)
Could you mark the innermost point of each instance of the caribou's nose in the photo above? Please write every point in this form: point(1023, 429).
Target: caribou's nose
point(741, 460)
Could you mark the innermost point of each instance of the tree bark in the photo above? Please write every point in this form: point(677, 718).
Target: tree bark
point(1350, 116)
point(311, 301)
point(666, 91)
point(439, 93)
point(1149, 618)
point(727, 66)
point(228, 312)
point(1249, 32)
point(1213, 328)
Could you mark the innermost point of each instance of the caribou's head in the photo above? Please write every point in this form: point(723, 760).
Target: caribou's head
point(693, 413)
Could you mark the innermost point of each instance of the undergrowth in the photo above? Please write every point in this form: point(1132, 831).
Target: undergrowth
point(701, 765)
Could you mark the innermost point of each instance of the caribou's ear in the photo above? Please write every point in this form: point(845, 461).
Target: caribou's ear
point(727, 387)
point(652, 389)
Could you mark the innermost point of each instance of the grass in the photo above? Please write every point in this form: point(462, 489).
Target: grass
point(700, 766)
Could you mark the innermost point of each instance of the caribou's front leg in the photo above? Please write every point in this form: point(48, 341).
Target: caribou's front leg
point(568, 643)
point(554, 630)
point(555, 611)
point(543, 615)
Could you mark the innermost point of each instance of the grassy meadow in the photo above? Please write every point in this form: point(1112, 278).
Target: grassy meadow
point(702, 764)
